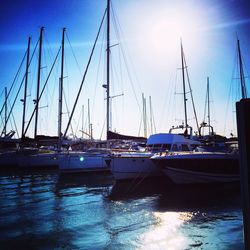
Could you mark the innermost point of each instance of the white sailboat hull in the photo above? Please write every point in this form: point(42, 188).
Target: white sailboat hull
point(77, 162)
point(133, 167)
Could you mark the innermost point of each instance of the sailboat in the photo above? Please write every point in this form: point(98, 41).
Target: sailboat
point(30, 153)
point(8, 145)
point(7, 142)
point(94, 159)
point(211, 142)
point(132, 166)
point(203, 167)
point(36, 155)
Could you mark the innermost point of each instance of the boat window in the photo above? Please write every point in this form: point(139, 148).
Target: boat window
point(166, 147)
point(184, 147)
point(174, 148)
point(157, 147)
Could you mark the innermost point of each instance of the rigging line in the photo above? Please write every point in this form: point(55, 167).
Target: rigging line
point(32, 80)
point(67, 108)
point(17, 92)
point(13, 105)
point(51, 96)
point(191, 93)
point(119, 39)
point(98, 71)
point(11, 125)
point(139, 132)
point(175, 101)
point(78, 66)
point(230, 95)
point(116, 24)
point(18, 71)
point(50, 60)
point(154, 124)
point(237, 90)
point(166, 98)
point(2, 93)
point(41, 93)
point(49, 48)
point(77, 124)
point(172, 97)
point(153, 120)
point(205, 109)
point(245, 68)
point(43, 75)
point(120, 68)
point(104, 123)
point(2, 120)
point(241, 69)
point(84, 76)
point(112, 74)
point(130, 79)
point(14, 121)
point(212, 107)
point(113, 107)
point(14, 125)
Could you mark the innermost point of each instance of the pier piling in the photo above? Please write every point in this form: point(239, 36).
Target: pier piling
point(243, 127)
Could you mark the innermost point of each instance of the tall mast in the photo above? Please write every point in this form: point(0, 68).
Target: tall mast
point(108, 62)
point(25, 86)
point(242, 77)
point(144, 115)
point(151, 115)
point(184, 87)
point(208, 106)
point(82, 120)
point(38, 79)
point(6, 110)
point(61, 95)
point(89, 120)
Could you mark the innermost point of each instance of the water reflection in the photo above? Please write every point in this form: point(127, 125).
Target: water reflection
point(167, 233)
point(176, 197)
point(90, 180)
point(49, 211)
point(187, 217)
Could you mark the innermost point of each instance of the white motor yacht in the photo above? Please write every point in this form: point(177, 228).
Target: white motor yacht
point(199, 167)
point(125, 166)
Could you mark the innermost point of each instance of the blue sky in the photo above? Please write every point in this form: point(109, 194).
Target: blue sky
point(149, 36)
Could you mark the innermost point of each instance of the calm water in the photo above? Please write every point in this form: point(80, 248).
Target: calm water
point(48, 211)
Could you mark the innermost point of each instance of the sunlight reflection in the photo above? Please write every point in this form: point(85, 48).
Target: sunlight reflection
point(167, 234)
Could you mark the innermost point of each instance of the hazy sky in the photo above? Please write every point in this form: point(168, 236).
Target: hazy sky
point(145, 59)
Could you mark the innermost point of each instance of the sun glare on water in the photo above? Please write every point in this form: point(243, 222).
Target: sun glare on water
point(166, 234)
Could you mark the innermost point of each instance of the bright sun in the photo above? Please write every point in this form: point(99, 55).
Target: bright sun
point(162, 27)
point(167, 31)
